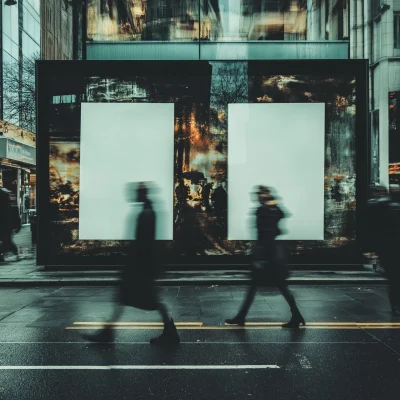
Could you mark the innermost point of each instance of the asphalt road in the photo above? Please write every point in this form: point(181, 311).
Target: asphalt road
point(350, 348)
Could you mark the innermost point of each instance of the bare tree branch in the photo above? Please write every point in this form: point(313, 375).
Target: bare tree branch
point(19, 93)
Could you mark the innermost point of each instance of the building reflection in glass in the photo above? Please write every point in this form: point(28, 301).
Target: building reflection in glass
point(217, 20)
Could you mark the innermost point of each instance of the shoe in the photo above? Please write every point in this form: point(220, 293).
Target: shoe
point(168, 337)
point(296, 320)
point(104, 336)
point(236, 321)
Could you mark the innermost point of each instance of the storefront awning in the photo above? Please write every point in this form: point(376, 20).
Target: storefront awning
point(17, 151)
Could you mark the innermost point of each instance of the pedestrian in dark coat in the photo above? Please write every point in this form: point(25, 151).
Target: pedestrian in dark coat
point(137, 286)
point(383, 237)
point(10, 222)
point(269, 267)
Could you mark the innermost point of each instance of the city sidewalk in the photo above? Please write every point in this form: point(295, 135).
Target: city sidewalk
point(63, 307)
point(26, 273)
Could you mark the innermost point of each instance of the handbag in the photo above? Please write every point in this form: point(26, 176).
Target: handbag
point(269, 272)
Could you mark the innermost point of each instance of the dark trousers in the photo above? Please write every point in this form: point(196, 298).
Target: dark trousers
point(390, 264)
point(8, 244)
point(283, 288)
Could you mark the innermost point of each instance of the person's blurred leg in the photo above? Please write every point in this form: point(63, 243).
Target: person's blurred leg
point(106, 334)
point(392, 276)
point(13, 247)
point(241, 316)
point(297, 318)
point(170, 334)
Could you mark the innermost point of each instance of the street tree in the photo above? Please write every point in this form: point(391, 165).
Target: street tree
point(19, 92)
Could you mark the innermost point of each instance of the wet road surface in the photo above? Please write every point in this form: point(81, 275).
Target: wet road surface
point(350, 348)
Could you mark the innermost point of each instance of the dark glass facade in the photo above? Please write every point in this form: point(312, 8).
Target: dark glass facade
point(217, 20)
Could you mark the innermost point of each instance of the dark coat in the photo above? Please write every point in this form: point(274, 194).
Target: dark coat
point(379, 230)
point(5, 215)
point(137, 283)
point(266, 248)
point(9, 214)
point(383, 234)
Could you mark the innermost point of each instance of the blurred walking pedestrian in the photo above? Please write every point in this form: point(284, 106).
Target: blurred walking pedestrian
point(269, 267)
point(10, 222)
point(137, 287)
point(383, 236)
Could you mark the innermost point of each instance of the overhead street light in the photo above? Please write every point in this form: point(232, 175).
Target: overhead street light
point(10, 2)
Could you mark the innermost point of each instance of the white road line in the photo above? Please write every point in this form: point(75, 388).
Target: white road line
point(135, 367)
point(196, 343)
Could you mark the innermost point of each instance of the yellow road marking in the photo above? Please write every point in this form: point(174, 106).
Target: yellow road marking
point(227, 328)
point(248, 325)
point(138, 323)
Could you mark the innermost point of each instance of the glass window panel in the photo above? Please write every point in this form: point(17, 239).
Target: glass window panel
point(7, 44)
point(10, 22)
point(30, 48)
point(37, 33)
point(176, 20)
point(33, 6)
point(375, 147)
point(219, 20)
point(7, 58)
point(10, 89)
point(396, 30)
point(14, 50)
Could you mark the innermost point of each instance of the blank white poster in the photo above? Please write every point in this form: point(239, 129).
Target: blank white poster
point(123, 143)
point(281, 146)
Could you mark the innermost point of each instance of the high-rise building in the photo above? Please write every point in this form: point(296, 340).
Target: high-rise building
point(20, 35)
point(375, 35)
point(56, 30)
point(29, 30)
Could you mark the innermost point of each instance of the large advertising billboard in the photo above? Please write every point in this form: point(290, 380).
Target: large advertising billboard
point(205, 133)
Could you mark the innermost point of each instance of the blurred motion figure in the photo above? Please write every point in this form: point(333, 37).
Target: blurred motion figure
point(269, 268)
point(137, 287)
point(10, 222)
point(383, 236)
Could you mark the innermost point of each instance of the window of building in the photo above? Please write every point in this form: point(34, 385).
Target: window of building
point(377, 41)
point(30, 49)
point(375, 147)
point(396, 30)
point(10, 88)
point(221, 20)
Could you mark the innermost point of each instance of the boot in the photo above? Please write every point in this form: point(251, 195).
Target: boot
point(105, 335)
point(295, 321)
point(169, 335)
point(238, 320)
